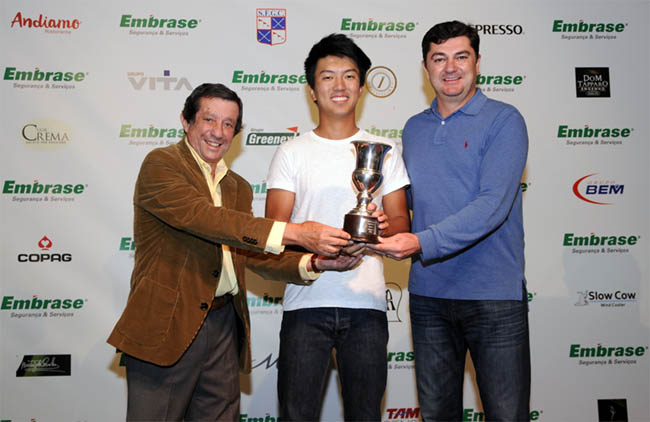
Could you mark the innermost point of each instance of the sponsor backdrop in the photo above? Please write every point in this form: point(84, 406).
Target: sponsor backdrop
point(87, 92)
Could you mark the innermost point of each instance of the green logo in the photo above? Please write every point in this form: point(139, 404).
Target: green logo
point(239, 77)
point(269, 138)
point(128, 131)
point(264, 301)
point(10, 302)
point(599, 351)
point(564, 131)
point(571, 239)
point(499, 79)
point(400, 357)
point(386, 133)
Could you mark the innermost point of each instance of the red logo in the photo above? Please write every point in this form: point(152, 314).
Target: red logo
point(45, 244)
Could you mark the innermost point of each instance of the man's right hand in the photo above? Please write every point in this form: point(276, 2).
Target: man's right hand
point(316, 237)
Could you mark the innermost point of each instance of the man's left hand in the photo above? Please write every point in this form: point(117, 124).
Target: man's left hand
point(398, 246)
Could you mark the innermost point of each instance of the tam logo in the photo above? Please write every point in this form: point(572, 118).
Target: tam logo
point(596, 191)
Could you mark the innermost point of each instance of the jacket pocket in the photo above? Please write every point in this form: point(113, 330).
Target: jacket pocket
point(148, 314)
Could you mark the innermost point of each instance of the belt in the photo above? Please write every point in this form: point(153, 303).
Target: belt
point(220, 301)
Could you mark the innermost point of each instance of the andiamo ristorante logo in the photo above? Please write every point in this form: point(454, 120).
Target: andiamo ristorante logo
point(45, 134)
point(587, 135)
point(41, 308)
point(157, 26)
point(49, 25)
point(42, 192)
point(604, 355)
point(43, 79)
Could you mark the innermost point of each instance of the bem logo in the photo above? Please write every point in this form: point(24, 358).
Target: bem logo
point(44, 366)
point(271, 26)
point(595, 191)
point(166, 82)
point(44, 22)
point(44, 244)
point(592, 82)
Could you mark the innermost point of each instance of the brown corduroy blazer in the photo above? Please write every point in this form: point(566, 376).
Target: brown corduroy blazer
point(178, 234)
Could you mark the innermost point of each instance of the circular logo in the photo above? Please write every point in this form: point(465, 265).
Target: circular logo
point(381, 81)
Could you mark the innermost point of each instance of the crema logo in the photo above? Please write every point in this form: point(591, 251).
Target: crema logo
point(45, 244)
point(257, 137)
point(45, 134)
point(596, 190)
point(139, 81)
point(44, 366)
point(592, 82)
point(48, 24)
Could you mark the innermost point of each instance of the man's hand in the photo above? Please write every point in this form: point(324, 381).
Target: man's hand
point(382, 218)
point(354, 249)
point(340, 263)
point(398, 246)
point(316, 237)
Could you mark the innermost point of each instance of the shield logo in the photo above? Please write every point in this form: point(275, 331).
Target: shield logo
point(271, 26)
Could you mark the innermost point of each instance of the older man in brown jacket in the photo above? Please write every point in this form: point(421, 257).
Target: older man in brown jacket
point(185, 331)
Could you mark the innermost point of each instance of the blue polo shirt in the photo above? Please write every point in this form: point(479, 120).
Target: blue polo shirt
point(465, 193)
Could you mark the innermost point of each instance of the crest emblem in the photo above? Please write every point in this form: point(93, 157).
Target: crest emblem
point(271, 26)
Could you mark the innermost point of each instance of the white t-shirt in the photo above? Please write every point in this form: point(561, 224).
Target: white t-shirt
point(319, 172)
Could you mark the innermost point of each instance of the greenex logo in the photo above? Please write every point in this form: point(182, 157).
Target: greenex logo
point(271, 138)
point(12, 74)
point(128, 21)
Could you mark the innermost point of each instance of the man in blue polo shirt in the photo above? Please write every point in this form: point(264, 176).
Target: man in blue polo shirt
point(465, 156)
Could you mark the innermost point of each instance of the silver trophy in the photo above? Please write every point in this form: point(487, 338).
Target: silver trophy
point(366, 178)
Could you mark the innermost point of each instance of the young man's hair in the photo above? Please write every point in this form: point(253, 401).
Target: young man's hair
point(443, 31)
point(207, 90)
point(340, 46)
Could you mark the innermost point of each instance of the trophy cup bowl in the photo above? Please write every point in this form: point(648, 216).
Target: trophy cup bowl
point(366, 178)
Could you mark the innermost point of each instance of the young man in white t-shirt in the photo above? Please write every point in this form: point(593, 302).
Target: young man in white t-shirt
point(310, 179)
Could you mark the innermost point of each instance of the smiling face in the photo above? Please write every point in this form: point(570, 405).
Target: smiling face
point(213, 127)
point(452, 68)
point(337, 86)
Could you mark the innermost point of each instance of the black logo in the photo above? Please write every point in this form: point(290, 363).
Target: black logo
point(44, 366)
point(592, 82)
point(612, 410)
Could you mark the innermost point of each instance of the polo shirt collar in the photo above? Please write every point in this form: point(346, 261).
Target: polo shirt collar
point(472, 107)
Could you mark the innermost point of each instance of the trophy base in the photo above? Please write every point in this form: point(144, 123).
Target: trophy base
point(362, 228)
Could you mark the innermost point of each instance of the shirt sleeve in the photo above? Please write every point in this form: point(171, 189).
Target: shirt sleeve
point(274, 242)
point(499, 184)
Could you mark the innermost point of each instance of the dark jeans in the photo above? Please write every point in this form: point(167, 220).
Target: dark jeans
point(307, 337)
point(496, 333)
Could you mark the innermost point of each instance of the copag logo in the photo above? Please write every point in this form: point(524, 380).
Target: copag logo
point(45, 134)
point(271, 26)
point(592, 82)
point(258, 137)
point(610, 299)
point(381, 81)
point(44, 366)
point(50, 25)
point(166, 82)
point(593, 136)
point(44, 256)
point(372, 28)
point(499, 29)
point(596, 191)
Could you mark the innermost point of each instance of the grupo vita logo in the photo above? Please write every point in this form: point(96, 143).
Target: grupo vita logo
point(45, 244)
point(49, 24)
point(596, 190)
point(258, 137)
point(166, 82)
point(45, 134)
